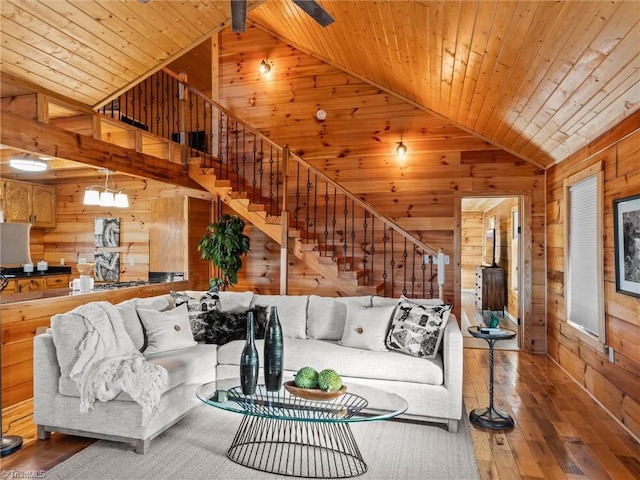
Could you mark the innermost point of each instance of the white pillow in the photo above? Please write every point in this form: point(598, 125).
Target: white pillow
point(326, 316)
point(131, 322)
point(292, 312)
point(168, 330)
point(366, 327)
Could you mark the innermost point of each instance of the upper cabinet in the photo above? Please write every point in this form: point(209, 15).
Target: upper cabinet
point(29, 203)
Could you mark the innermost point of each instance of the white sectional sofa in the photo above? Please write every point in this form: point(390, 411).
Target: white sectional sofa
point(314, 329)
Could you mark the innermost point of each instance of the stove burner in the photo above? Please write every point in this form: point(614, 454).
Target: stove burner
point(114, 285)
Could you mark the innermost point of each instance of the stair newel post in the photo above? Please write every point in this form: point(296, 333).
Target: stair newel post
point(441, 273)
point(284, 240)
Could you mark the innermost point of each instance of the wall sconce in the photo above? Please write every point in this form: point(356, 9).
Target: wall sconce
point(107, 197)
point(28, 165)
point(401, 150)
point(264, 67)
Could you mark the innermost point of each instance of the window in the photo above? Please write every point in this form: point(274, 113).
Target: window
point(584, 276)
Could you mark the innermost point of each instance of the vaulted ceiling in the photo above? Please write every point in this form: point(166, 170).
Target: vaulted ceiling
point(539, 79)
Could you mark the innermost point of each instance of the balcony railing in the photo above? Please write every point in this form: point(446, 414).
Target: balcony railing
point(343, 229)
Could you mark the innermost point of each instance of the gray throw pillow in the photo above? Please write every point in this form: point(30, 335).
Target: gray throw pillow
point(198, 308)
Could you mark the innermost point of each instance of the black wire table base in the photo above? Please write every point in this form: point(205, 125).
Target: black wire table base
point(309, 449)
point(491, 418)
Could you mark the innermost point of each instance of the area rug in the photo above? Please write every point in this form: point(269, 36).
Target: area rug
point(195, 448)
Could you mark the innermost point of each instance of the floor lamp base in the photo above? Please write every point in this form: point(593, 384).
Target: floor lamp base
point(10, 444)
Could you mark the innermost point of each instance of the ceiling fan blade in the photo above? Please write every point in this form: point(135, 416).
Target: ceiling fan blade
point(316, 12)
point(238, 15)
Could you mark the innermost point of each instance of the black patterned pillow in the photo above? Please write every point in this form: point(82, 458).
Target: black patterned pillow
point(417, 329)
point(224, 327)
point(198, 308)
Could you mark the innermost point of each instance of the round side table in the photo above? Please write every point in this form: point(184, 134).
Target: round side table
point(490, 417)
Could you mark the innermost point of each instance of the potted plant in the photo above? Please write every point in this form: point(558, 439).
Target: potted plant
point(223, 245)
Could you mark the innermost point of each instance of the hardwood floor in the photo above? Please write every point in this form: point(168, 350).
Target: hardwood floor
point(560, 432)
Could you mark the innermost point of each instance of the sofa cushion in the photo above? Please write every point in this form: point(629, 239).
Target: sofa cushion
point(235, 302)
point(158, 302)
point(379, 301)
point(190, 365)
point(168, 330)
point(292, 312)
point(326, 316)
point(367, 327)
point(132, 323)
point(348, 362)
point(417, 329)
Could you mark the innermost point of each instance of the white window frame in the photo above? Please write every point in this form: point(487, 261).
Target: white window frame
point(596, 339)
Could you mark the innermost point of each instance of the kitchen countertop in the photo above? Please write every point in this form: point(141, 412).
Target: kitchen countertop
point(18, 272)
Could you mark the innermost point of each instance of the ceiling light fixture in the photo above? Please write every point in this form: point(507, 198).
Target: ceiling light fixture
point(264, 67)
point(107, 197)
point(28, 165)
point(401, 150)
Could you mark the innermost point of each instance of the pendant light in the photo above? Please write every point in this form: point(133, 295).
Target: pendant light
point(103, 196)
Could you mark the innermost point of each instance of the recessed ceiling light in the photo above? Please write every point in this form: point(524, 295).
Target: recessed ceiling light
point(28, 165)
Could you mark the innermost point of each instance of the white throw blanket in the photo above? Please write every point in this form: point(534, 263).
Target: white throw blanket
point(108, 363)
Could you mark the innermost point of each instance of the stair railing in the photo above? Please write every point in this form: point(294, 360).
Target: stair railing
point(339, 227)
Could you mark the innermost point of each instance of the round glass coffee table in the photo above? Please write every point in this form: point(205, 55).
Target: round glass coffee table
point(288, 435)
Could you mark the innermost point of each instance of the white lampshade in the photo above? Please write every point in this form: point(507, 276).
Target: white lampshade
point(106, 199)
point(91, 197)
point(121, 200)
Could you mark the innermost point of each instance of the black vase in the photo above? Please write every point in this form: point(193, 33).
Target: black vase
point(273, 350)
point(249, 363)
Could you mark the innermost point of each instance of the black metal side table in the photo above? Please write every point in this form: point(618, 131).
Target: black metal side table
point(490, 417)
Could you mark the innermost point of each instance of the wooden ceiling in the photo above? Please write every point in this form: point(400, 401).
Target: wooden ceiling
point(539, 79)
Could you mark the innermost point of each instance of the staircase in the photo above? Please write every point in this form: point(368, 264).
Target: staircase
point(350, 282)
point(333, 232)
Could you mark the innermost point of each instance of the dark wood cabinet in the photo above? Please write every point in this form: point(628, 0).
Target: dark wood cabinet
point(490, 289)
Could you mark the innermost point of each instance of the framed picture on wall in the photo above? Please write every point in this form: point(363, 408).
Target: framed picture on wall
point(626, 226)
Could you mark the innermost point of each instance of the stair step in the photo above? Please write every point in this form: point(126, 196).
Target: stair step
point(256, 207)
point(274, 219)
point(371, 289)
point(309, 247)
point(223, 183)
point(326, 260)
point(353, 274)
point(349, 261)
point(293, 232)
point(238, 195)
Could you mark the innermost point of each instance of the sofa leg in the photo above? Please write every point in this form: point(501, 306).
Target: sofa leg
point(42, 433)
point(453, 425)
point(141, 446)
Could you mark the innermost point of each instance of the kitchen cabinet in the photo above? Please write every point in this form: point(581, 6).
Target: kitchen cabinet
point(24, 202)
point(36, 283)
point(490, 288)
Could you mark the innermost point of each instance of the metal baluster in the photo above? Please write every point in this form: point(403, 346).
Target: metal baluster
point(244, 155)
point(384, 258)
point(255, 158)
point(261, 170)
point(295, 215)
point(307, 218)
point(278, 182)
point(393, 264)
point(353, 235)
point(424, 276)
point(158, 76)
point(365, 225)
point(373, 247)
point(345, 247)
point(404, 267)
point(431, 277)
point(315, 207)
point(326, 218)
point(413, 273)
point(271, 181)
point(235, 153)
point(333, 225)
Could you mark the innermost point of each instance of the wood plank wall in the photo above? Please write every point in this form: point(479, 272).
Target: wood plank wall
point(356, 145)
point(472, 233)
point(615, 385)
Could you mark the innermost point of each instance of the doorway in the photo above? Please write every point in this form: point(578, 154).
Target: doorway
point(490, 264)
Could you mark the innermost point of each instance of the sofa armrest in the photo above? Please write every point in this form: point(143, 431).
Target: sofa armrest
point(46, 375)
point(452, 358)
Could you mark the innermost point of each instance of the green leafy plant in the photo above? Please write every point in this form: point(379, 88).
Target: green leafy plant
point(223, 245)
